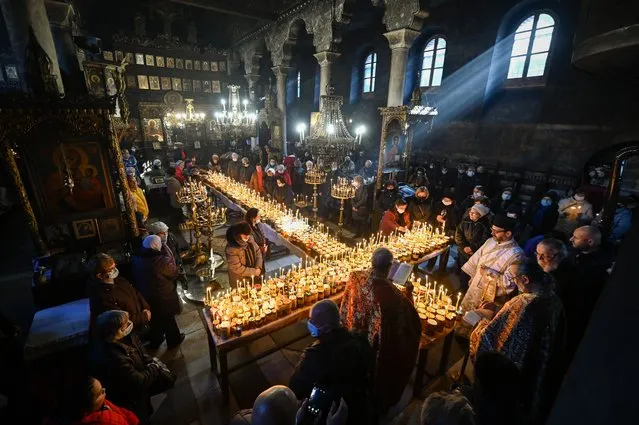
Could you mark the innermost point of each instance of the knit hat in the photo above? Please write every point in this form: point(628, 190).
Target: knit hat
point(504, 222)
point(157, 227)
point(382, 258)
point(480, 209)
point(152, 242)
point(157, 163)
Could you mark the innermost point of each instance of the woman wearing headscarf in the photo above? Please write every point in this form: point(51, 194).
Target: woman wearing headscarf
point(141, 206)
point(254, 219)
point(120, 363)
point(155, 274)
point(243, 255)
point(215, 165)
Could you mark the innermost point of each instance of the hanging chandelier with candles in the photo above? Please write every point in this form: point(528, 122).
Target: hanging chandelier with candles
point(181, 120)
point(236, 118)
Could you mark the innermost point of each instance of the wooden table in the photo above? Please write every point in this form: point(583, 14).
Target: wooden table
point(219, 347)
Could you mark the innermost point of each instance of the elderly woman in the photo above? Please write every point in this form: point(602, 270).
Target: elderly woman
point(245, 171)
point(359, 205)
point(155, 274)
point(529, 331)
point(243, 255)
point(120, 363)
point(141, 206)
point(215, 165)
point(373, 305)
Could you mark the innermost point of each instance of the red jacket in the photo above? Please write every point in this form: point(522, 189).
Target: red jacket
point(390, 221)
point(110, 414)
point(179, 174)
point(287, 177)
point(257, 181)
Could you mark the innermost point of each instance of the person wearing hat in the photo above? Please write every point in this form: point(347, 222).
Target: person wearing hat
point(214, 164)
point(471, 234)
point(243, 255)
point(245, 171)
point(396, 218)
point(269, 181)
point(419, 206)
point(155, 274)
point(282, 171)
point(446, 214)
point(488, 265)
point(477, 196)
point(373, 305)
point(160, 229)
point(283, 192)
point(179, 171)
point(156, 169)
point(173, 186)
point(389, 195)
point(129, 160)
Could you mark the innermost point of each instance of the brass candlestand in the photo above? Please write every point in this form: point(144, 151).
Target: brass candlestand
point(315, 176)
point(193, 193)
point(342, 190)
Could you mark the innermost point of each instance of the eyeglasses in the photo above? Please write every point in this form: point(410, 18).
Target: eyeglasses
point(495, 231)
point(545, 256)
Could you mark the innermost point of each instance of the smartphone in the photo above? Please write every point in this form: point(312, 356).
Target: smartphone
point(472, 318)
point(320, 400)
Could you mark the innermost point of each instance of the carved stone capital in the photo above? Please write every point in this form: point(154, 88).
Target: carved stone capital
point(281, 71)
point(401, 38)
point(404, 14)
point(252, 79)
point(327, 57)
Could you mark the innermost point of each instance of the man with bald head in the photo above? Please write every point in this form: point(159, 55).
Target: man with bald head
point(275, 406)
point(338, 360)
point(588, 264)
point(372, 304)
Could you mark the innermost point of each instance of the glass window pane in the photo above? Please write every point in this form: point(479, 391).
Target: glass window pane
point(437, 77)
point(367, 85)
point(545, 21)
point(441, 44)
point(428, 60)
point(520, 47)
point(430, 45)
point(369, 59)
point(523, 35)
point(542, 40)
point(367, 70)
point(372, 85)
point(527, 25)
point(537, 65)
point(439, 58)
point(516, 69)
point(425, 78)
point(374, 58)
point(374, 70)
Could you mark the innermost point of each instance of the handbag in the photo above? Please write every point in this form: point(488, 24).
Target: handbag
point(165, 380)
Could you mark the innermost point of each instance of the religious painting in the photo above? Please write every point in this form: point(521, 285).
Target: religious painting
point(188, 64)
point(58, 236)
point(186, 84)
point(131, 81)
point(110, 229)
point(223, 66)
point(197, 65)
point(149, 59)
point(166, 83)
point(216, 87)
point(154, 82)
point(108, 55)
point(109, 75)
point(170, 62)
point(157, 146)
point(205, 66)
point(177, 84)
point(84, 229)
point(134, 129)
point(214, 66)
point(12, 72)
point(159, 61)
point(153, 129)
point(206, 86)
point(143, 82)
point(197, 85)
point(71, 178)
point(119, 55)
point(129, 57)
point(394, 146)
point(94, 77)
point(139, 59)
point(196, 144)
point(179, 63)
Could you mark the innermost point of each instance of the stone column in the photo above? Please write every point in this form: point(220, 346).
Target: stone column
point(251, 79)
point(399, 41)
point(41, 28)
point(325, 60)
point(280, 74)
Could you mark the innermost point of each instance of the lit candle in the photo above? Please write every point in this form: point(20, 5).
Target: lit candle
point(457, 304)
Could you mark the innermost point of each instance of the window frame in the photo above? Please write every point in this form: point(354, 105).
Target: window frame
point(298, 94)
point(538, 80)
point(369, 82)
point(432, 68)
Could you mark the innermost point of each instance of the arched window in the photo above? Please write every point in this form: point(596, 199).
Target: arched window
point(370, 69)
point(299, 84)
point(531, 46)
point(433, 62)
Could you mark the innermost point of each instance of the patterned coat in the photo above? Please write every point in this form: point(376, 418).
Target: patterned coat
point(374, 306)
point(528, 330)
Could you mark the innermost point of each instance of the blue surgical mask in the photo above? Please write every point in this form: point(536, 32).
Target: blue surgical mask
point(546, 202)
point(114, 273)
point(312, 329)
point(128, 329)
point(505, 196)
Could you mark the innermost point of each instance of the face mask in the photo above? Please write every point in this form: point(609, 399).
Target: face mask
point(422, 198)
point(546, 202)
point(511, 215)
point(579, 198)
point(505, 196)
point(432, 166)
point(460, 171)
point(477, 195)
point(334, 168)
point(444, 171)
point(245, 240)
point(470, 173)
point(113, 273)
point(401, 211)
point(312, 329)
point(272, 163)
point(447, 203)
point(128, 329)
point(164, 238)
point(234, 159)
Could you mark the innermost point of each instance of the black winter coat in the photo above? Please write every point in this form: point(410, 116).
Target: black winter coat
point(360, 204)
point(155, 274)
point(245, 174)
point(233, 170)
point(450, 214)
point(127, 372)
point(342, 362)
point(283, 195)
point(472, 234)
point(387, 199)
point(269, 185)
point(419, 210)
point(548, 220)
point(120, 295)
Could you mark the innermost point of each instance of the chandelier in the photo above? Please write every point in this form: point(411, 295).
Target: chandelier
point(329, 137)
point(180, 120)
point(235, 118)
